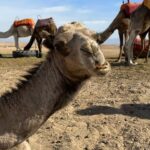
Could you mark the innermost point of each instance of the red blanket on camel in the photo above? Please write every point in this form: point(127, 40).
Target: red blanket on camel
point(129, 8)
point(24, 22)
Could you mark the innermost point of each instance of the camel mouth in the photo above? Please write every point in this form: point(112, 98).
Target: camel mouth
point(103, 69)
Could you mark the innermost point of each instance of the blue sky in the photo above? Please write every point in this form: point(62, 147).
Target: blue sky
point(95, 14)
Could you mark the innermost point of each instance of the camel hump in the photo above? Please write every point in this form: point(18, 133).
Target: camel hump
point(24, 22)
point(129, 8)
point(44, 22)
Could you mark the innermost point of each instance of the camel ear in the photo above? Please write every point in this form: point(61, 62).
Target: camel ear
point(66, 43)
point(48, 42)
point(62, 48)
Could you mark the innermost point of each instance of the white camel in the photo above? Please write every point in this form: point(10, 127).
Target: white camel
point(17, 32)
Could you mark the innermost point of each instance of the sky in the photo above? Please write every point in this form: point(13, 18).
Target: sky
point(95, 14)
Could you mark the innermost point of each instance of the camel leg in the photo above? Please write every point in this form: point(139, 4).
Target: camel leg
point(146, 59)
point(128, 48)
point(142, 44)
point(23, 146)
point(121, 45)
point(142, 36)
point(126, 36)
point(28, 46)
point(39, 41)
point(131, 54)
point(148, 53)
point(16, 42)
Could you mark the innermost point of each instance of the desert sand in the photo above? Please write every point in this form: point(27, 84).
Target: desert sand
point(108, 113)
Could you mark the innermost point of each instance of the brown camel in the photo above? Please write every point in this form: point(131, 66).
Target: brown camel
point(145, 44)
point(120, 23)
point(43, 29)
point(140, 24)
point(49, 86)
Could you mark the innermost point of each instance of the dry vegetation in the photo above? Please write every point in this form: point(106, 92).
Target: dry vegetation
point(109, 113)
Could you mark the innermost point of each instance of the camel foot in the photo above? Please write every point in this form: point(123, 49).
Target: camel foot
point(131, 63)
point(39, 55)
point(118, 61)
point(23, 146)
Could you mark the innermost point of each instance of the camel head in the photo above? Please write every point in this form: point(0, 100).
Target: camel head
point(80, 55)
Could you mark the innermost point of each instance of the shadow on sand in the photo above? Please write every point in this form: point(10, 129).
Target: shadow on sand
point(6, 56)
point(134, 110)
point(116, 64)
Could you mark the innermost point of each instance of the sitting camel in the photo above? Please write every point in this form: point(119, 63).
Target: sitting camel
point(140, 24)
point(43, 29)
point(75, 57)
point(21, 28)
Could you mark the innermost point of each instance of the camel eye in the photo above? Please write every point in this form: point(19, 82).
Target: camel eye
point(86, 51)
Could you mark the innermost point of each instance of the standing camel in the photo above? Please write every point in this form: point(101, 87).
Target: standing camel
point(19, 29)
point(49, 86)
point(120, 23)
point(43, 29)
point(140, 24)
point(144, 45)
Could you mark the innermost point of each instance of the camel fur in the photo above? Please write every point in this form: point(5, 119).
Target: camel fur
point(49, 86)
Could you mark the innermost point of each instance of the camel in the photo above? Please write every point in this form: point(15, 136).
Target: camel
point(140, 24)
point(145, 44)
point(18, 31)
point(101, 37)
point(120, 23)
point(43, 29)
point(50, 85)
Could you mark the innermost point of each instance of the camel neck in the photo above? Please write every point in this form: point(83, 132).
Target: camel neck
point(111, 28)
point(8, 33)
point(23, 111)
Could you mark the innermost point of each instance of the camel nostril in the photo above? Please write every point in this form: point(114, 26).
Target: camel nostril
point(96, 62)
point(104, 66)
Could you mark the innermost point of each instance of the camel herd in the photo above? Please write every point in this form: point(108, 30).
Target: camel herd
point(73, 58)
point(129, 24)
point(132, 20)
point(42, 29)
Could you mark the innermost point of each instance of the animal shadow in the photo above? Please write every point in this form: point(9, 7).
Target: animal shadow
point(133, 110)
point(6, 56)
point(117, 64)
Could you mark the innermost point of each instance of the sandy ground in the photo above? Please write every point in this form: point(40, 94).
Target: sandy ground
point(108, 113)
